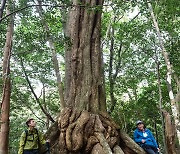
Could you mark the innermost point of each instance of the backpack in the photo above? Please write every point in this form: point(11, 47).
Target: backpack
point(41, 149)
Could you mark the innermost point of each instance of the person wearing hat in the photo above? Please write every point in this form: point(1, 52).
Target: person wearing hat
point(31, 139)
point(145, 138)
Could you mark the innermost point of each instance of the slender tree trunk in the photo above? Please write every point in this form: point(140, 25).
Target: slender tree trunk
point(177, 98)
point(174, 106)
point(54, 55)
point(160, 106)
point(5, 104)
point(3, 3)
point(45, 106)
point(177, 81)
point(113, 76)
point(111, 81)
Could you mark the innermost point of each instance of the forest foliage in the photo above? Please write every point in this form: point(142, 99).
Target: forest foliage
point(130, 50)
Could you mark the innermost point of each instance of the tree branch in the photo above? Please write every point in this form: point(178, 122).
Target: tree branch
point(3, 3)
point(28, 6)
point(135, 16)
point(35, 96)
point(19, 96)
point(119, 62)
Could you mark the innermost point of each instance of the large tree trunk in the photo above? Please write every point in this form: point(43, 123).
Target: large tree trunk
point(5, 104)
point(84, 73)
point(174, 104)
point(84, 125)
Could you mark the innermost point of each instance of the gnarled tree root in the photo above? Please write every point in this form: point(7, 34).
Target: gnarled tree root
point(83, 132)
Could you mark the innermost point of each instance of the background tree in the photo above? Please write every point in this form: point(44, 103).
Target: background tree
point(174, 105)
point(5, 104)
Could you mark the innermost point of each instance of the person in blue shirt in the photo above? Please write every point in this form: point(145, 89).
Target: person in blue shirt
point(145, 138)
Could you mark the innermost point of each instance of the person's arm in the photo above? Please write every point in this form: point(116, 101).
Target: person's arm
point(21, 143)
point(153, 139)
point(136, 139)
point(43, 142)
point(41, 138)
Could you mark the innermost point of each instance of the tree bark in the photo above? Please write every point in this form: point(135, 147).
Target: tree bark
point(177, 81)
point(84, 124)
point(84, 73)
point(170, 133)
point(130, 143)
point(85, 132)
point(177, 98)
point(174, 106)
point(3, 3)
point(5, 104)
point(111, 80)
point(160, 105)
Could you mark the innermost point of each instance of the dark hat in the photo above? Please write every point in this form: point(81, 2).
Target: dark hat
point(28, 120)
point(139, 122)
